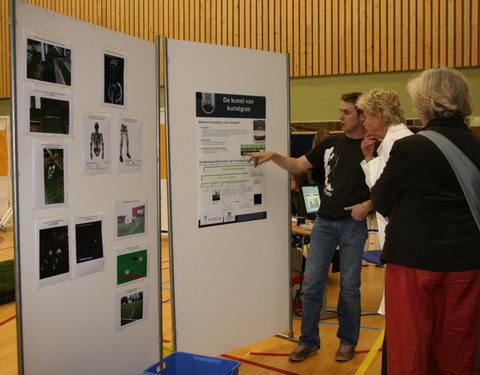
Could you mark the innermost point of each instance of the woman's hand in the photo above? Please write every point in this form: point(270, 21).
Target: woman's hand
point(368, 146)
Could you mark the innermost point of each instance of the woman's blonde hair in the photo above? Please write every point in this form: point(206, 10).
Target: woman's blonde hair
point(384, 102)
point(441, 92)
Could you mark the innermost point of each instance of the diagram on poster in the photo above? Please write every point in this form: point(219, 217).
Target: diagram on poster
point(49, 110)
point(131, 263)
point(96, 143)
point(229, 188)
point(48, 59)
point(52, 251)
point(89, 244)
point(130, 217)
point(129, 144)
point(50, 182)
point(114, 77)
point(131, 306)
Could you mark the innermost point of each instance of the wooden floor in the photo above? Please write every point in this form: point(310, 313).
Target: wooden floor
point(267, 357)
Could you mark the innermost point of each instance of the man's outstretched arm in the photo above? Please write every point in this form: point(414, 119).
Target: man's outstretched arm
point(293, 165)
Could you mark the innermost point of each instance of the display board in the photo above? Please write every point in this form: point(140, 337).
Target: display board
point(229, 222)
point(86, 109)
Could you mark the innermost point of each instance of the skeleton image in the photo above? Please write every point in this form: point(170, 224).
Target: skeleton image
point(124, 135)
point(96, 142)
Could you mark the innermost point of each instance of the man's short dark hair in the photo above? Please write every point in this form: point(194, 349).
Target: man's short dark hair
point(352, 97)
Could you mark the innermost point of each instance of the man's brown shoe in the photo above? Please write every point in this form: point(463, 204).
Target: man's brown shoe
point(345, 353)
point(300, 353)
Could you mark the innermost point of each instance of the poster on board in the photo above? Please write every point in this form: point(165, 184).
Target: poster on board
point(129, 217)
point(129, 130)
point(230, 189)
point(132, 263)
point(89, 244)
point(49, 111)
point(50, 174)
point(114, 63)
point(130, 306)
point(49, 59)
point(53, 257)
point(96, 143)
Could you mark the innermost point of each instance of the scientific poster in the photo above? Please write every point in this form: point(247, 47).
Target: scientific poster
point(132, 263)
point(229, 189)
point(49, 111)
point(131, 306)
point(50, 174)
point(97, 143)
point(52, 251)
point(48, 59)
point(129, 130)
point(129, 217)
point(89, 244)
point(114, 77)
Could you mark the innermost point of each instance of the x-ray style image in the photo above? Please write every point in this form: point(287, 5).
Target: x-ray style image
point(131, 306)
point(131, 263)
point(130, 217)
point(49, 112)
point(96, 143)
point(114, 78)
point(129, 144)
point(208, 102)
point(48, 61)
point(89, 244)
point(53, 252)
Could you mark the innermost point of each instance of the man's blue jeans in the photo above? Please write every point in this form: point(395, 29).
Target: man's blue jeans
point(350, 235)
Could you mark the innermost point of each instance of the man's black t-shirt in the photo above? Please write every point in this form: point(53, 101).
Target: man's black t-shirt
point(337, 171)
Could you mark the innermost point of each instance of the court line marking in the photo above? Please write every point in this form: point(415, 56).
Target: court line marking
point(371, 354)
point(8, 320)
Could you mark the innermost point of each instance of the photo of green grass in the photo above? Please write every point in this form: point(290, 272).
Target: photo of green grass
point(131, 308)
point(53, 175)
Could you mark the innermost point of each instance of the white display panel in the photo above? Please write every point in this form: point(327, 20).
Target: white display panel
point(231, 279)
point(74, 319)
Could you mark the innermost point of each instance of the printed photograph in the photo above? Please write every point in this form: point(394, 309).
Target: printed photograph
point(114, 89)
point(53, 246)
point(131, 308)
point(49, 115)
point(48, 62)
point(89, 242)
point(53, 175)
point(131, 266)
point(130, 217)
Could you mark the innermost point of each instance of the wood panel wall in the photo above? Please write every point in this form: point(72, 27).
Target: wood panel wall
point(323, 37)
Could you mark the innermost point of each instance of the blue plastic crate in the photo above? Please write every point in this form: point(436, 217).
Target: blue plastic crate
point(181, 363)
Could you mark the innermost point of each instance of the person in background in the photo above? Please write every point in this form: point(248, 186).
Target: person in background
point(297, 180)
point(384, 121)
point(340, 221)
point(432, 244)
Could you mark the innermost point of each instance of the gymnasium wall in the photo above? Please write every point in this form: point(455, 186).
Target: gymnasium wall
point(323, 37)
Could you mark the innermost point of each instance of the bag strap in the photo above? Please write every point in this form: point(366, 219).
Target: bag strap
point(467, 173)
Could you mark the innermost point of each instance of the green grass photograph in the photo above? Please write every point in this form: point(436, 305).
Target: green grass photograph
point(131, 308)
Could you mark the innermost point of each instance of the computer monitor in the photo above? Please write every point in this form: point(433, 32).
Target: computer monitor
point(311, 197)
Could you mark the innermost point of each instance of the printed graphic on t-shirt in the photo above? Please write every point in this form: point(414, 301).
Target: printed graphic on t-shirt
point(328, 160)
